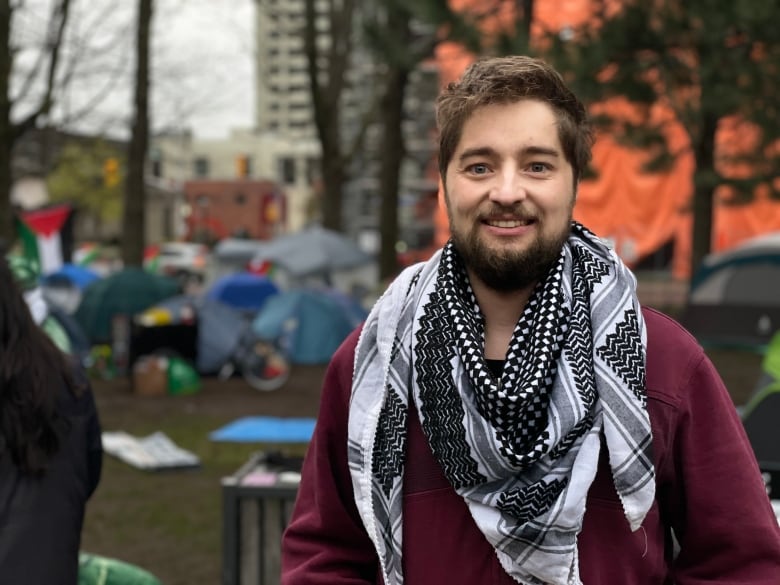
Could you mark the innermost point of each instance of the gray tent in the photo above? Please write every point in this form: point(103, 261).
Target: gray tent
point(734, 297)
point(234, 254)
point(313, 251)
point(219, 327)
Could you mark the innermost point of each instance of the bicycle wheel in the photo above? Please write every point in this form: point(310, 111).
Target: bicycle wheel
point(264, 367)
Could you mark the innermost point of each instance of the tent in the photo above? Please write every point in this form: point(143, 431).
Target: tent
point(311, 251)
point(231, 255)
point(70, 275)
point(733, 298)
point(242, 290)
point(761, 414)
point(64, 287)
point(217, 328)
point(126, 292)
point(309, 324)
point(78, 341)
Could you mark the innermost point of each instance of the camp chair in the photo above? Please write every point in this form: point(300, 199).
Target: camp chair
point(760, 417)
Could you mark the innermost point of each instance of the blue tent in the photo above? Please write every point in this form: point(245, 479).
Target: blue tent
point(242, 290)
point(310, 324)
point(71, 275)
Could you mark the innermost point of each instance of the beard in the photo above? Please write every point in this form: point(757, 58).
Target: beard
point(509, 270)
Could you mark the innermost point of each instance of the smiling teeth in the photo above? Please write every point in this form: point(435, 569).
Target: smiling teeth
point(508, 223)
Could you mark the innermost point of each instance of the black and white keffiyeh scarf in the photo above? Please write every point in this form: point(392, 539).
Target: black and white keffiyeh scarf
point(522, 450)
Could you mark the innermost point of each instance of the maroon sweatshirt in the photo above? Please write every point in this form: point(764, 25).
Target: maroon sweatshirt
point(709, 492)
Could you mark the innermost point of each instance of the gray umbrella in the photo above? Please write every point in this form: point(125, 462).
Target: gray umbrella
point(311, 251)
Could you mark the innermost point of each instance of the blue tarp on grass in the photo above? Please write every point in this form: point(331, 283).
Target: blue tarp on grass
point(266, 429)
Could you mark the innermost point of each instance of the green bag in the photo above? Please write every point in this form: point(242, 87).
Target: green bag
point(182, 377)
point(97, 570)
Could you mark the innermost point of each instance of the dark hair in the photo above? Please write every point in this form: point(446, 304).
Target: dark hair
point(32, 371)
point(505, 80)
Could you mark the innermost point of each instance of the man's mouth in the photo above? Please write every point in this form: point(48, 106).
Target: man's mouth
point(508, 223)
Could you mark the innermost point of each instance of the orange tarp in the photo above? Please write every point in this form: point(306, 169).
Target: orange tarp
point(640, 212)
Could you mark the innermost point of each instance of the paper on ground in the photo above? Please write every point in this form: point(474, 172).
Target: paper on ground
point(156, 451)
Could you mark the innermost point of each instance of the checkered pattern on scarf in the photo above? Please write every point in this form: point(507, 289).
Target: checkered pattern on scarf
point(521, 451)
point(516, 404)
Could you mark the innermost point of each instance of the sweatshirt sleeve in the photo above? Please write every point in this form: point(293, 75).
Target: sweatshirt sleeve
point(325, 541)
point(721, 514)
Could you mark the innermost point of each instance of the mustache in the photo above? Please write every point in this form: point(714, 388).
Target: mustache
point(517, 211)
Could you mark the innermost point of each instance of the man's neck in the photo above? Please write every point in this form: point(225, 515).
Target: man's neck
point(501, 310)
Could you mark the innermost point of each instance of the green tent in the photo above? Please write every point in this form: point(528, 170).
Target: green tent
point(126, 292)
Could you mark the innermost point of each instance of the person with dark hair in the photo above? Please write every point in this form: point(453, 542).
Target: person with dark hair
point(50, 448)
point(509, 413)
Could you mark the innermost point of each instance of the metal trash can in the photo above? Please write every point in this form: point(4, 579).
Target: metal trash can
point(256, 505)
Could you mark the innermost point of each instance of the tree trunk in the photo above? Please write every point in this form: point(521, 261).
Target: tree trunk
point(333, 180)
point(9, 131)
point(390, 171)
point(705, 182)
point(527, 7)
point(6, 130)
point(328, 82)
point(133, 220)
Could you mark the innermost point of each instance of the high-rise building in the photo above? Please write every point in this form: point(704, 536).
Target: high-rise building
point(284, 105)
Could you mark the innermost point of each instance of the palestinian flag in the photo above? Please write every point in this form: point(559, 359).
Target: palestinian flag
point(86, 254)
point(40, 234)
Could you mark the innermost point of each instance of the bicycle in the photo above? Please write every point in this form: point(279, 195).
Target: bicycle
point(262, 363)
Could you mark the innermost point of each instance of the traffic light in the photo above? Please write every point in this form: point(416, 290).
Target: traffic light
point(242, 166)
point(111, 175)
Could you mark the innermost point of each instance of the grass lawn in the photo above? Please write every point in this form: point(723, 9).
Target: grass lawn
point(170, 522)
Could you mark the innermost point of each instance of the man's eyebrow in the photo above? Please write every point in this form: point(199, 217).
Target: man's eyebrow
point(540, 150)
point(480, 151)
point(486, 151)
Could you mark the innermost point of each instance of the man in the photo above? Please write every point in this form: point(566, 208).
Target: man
point(509, 414)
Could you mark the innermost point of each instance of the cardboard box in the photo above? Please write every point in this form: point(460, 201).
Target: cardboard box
point(150, 376)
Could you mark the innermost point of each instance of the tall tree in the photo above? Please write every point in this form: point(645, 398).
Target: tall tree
point(328, 78)
point(46, 66)
point(399, 66)
point(713, 62)
point(133, 219)
point(404, 34)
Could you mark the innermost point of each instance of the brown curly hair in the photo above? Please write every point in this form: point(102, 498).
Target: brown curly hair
point(505, 80)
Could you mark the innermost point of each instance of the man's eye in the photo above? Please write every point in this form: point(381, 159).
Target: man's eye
point(478, 169)
point(538, 167)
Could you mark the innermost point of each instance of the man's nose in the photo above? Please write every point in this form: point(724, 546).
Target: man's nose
point(509, 188)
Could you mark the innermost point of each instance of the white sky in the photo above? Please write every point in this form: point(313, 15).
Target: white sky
point(211, 43)
point(202, 63)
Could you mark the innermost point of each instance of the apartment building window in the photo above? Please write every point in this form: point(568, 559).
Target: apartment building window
point(287, 170)
point(312, 170)
point(201, 167)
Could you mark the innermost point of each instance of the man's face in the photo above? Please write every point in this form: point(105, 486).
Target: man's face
point(510, 193)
